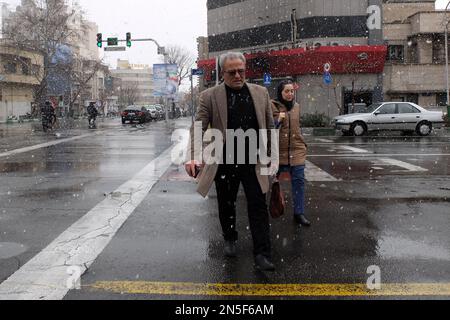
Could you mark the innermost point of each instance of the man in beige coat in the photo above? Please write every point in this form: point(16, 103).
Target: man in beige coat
point(238, 106)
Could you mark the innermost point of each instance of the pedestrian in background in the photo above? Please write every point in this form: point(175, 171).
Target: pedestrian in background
point(48, 116)
point(293, 149)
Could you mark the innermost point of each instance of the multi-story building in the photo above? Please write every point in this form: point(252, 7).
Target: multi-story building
point(19, 72)
point(415, 68)
point(203, 48)
point(3, 14)
point(295, 39)
point(80, 48)
point(136, 78)
point(83, 43)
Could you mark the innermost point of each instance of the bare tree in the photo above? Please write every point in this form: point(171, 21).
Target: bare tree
point(183, 58)
point(81, 73)
point(128, 94)
point(43, 26)
point(353, 71)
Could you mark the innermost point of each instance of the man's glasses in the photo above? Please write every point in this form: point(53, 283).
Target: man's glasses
point(232, 73)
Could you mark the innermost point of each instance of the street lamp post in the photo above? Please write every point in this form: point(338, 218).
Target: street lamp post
point(446, 56)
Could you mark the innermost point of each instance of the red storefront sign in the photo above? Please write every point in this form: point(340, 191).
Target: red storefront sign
point(295, 62)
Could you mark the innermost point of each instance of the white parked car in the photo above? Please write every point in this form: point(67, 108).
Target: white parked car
point(396, 116)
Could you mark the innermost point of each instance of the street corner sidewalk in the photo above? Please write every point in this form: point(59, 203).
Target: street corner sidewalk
point(176, 173)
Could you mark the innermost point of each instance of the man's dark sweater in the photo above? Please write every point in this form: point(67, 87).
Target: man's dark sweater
point(241, 115)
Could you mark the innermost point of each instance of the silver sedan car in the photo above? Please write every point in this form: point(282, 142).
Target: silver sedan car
point(396, 116)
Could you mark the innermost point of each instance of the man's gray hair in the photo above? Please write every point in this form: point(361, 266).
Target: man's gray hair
point(230, 56)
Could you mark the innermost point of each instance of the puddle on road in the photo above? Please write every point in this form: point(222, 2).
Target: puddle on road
point(10, 250)
point(48, 166)
point(19, 167)
point(390, 247)
point(54, 193)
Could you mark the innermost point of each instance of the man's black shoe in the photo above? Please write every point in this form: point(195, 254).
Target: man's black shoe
point(230, 249)
point(263, 264)
point(301, 219)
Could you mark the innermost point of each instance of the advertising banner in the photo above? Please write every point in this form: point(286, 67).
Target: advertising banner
point(165, 80)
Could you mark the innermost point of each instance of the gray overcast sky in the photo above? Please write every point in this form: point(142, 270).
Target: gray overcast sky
point(168, 22)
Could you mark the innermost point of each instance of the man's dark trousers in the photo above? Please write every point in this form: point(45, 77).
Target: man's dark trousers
point(228, 180)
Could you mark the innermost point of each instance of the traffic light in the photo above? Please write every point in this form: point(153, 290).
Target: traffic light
point(128, 39)
point(99, 40)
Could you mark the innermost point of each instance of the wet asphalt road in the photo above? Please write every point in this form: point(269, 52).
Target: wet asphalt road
point(386, 205)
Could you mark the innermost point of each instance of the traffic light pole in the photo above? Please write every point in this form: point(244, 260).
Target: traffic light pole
point(161, 50)
point(192, 99)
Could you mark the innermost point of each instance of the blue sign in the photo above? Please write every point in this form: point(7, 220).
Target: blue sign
point(327, 79)
point(197, 72)
point(267, 79)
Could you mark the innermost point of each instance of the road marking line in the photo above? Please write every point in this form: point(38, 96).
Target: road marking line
point(397, 163)
point(45, 276)
point(43, 145)
point(271, 290)
point(325, 140)
point(353, 149)
point(314, 173)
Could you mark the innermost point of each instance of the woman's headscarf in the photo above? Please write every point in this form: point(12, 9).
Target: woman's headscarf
point(288, 104)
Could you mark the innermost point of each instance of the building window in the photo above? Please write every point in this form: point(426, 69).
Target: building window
point(441, 99)
point(10, 67)
point(413, 53)
point(25, 69)
point(36, 69)
point(396, 53)
point(413, 97)
point(439, 50)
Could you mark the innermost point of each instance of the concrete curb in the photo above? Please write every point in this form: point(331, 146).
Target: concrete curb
point(324, 132)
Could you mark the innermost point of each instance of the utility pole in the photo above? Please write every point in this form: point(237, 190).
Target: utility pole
point(294, 27)
point(162, 51)
point(217, 71)
point(194, 72)
point(192, 97)
point(446, 57)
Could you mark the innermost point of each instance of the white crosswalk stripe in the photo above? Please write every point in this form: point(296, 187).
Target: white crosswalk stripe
point(45, 277)
point(315, 174)
point(397, 163)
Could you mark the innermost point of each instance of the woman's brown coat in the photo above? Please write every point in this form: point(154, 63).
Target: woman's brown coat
point(293, 149)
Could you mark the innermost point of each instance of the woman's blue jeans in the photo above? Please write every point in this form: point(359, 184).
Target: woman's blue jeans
point(298, 186)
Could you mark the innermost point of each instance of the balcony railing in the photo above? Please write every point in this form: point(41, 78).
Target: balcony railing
point(20, 79)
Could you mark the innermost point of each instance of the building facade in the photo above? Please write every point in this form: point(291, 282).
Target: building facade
point(294, 39)
point(85, 82)
point(18, 79)
point(415, 67)
point(136, 82)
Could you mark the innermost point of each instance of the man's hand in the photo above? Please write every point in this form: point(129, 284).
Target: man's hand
point(193, 167)
point(274, 168)
point(282, 116)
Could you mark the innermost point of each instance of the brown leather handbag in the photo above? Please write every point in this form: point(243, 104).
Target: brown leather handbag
point(277, 202)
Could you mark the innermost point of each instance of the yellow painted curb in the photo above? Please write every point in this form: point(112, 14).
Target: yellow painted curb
point(271, 290)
